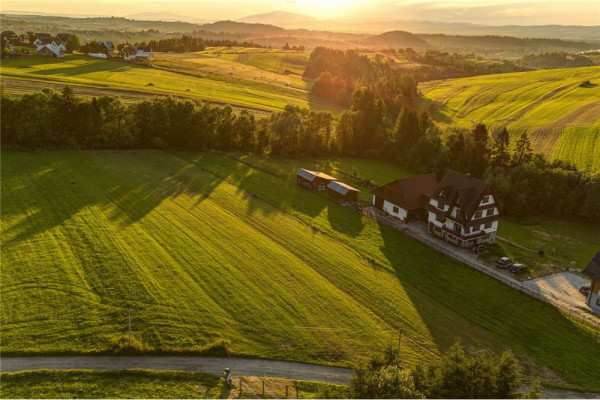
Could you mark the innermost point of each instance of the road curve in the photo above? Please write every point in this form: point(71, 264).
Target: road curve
point(210, 365)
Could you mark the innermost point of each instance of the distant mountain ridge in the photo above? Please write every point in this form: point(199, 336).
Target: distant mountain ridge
point(277, 17)
point(395, 39)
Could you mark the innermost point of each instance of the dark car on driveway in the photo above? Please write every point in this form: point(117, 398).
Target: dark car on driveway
point(517, 268)
point(478, 249)
point(505, 262)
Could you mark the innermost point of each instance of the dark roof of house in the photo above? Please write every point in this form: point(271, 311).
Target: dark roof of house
point(593, 268)
point(9, 33)
point(43, 35)
point(341, 187)
point(108, 45)
point(45, 40)
point(312, 175)
point(462, 190)
point(63, 36)
point(409, 193)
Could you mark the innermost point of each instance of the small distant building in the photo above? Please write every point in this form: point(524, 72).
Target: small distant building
point(25, 39)
point(144, 53)
point(50, 50)
point(593, 271)
point(313, 180)
point(463, 210)
point(341, 192)
point(10, 37)
point(126, 52)
point(43, 39)
point(107, 48)
point(407, 198)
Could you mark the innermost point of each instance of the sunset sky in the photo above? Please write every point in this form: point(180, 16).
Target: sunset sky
point(490, 12)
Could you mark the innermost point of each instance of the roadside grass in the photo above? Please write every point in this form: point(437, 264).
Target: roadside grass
point(154, 384)
point(550, 105)
point(171, 76)
point(205, 249)
point(114, 384)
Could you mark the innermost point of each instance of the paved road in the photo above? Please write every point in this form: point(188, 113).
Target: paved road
point(215, 365)
point(211, 365)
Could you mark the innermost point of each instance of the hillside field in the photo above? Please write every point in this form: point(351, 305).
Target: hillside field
point(201, 75)
point(560, 115)
point(210, 253)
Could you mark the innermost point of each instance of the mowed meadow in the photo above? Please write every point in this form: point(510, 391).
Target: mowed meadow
point(559, 112)
point(211, 254)
point(262, 81)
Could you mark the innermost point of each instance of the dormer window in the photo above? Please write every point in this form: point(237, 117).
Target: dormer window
point(478, 214)
point(486, 199)
point(441, 204)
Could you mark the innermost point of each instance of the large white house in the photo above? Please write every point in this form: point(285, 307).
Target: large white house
point(405, 198)
point(463, 210)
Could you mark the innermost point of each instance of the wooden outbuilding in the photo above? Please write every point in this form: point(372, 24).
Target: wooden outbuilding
point(593, 271)
point(313, 180)
point(341, 192)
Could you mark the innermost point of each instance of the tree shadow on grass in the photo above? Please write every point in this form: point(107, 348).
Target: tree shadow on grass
point(343, 220)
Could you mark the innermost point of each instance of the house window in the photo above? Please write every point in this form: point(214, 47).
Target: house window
point(457, 227)
point(441, 204)
point(478, 214)
point(395, 210)
point(439, 218)
point(490, 212)
point(457, 213)
point(488, 225)
point(486, 199)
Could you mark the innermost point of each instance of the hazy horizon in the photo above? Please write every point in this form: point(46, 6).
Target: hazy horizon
point(485, 12)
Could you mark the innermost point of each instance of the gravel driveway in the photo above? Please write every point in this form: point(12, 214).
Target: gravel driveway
point(563, 287)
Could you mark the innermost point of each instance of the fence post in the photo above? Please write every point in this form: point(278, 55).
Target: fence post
point(240, 388)
point(263, 394)
point(286, 391)
point(297, 391)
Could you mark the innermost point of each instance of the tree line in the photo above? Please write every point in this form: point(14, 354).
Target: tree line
point(527, 184)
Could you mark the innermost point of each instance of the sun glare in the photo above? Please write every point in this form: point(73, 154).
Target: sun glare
point(326, 8)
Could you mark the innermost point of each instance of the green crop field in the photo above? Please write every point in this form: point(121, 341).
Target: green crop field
point(209, 252)
point(190, 75)
point(561, 116)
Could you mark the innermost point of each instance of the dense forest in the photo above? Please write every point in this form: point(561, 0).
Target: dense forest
point(556, 60)
point(526, 184)
point(338, 73)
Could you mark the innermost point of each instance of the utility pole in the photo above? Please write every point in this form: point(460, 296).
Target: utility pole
point(129, 323)
point(399, 339)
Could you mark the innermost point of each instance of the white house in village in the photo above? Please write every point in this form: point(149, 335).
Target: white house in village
point(463, 210)
point(405, 198)
point(51, 50)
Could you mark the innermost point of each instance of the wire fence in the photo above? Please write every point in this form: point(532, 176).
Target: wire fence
point(453, 252)
point(262, 388)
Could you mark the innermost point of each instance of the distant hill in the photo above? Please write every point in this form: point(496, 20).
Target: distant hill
point(279, 18)
point(241, 27)
point(395, 39)
point(158, 16)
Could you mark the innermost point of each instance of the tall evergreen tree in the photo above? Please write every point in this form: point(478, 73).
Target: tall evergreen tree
point(522, 153)
point(500, 157)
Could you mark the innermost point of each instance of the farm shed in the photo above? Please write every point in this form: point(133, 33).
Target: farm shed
point(593, 271)
point(313, 180)
point(407, 198)
point(339, 191)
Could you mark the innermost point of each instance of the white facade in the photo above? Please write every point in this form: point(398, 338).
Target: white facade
point(393, 210)
point(450, 229)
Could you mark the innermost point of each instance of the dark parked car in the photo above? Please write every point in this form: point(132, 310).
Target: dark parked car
point(517, 268)
point(478, 249)
point(505, 262)
point(585, 289)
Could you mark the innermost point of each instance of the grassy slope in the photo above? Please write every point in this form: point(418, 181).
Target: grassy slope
point(204, 248)
point(132, 384)
point(562, 118)
point(177, 76)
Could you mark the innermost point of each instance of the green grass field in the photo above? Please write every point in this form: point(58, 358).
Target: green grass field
point(561, 117)
point(189, 75)
point(207, 250)
point(149, 384)
point(125, 384)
